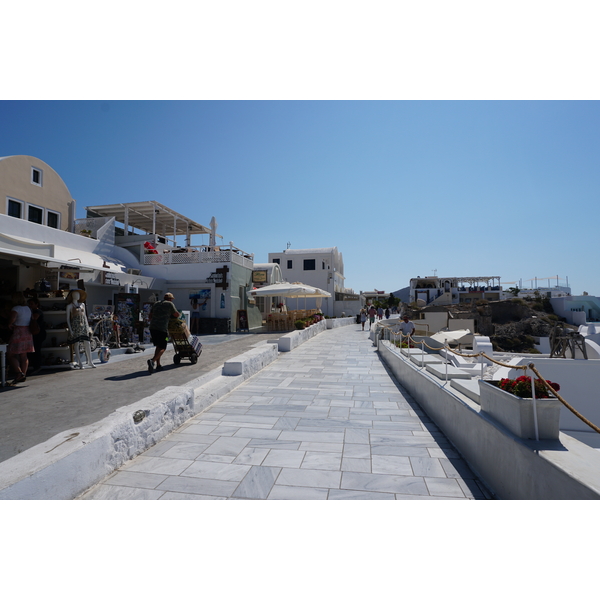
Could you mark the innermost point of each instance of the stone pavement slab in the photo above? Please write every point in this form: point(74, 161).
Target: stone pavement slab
point(324, 422)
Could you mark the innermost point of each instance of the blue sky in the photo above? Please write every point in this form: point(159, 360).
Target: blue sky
point(402, 188)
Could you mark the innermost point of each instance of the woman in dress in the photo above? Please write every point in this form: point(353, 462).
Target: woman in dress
point(79, 329)
point(37, 316)
point(21, 340)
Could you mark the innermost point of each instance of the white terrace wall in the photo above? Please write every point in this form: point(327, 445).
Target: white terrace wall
point(512, 468)
point(579, 382)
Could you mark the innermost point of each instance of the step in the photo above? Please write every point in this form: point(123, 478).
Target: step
point(426, 359)
point(453, 372)
point(468, 387)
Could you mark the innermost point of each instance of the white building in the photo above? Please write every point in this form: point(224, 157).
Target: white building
point(322, 268)
point(454, 290)
point(577, 310)
point(137, 249)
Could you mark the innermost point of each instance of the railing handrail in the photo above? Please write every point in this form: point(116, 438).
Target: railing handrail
point(531, 366)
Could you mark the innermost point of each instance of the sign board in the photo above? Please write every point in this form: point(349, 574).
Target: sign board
point(259, 276)
point(110, 279)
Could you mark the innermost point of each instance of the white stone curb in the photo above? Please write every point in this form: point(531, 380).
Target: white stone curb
point(71, 462)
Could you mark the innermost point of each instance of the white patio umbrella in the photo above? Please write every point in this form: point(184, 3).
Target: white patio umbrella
point(290, 290)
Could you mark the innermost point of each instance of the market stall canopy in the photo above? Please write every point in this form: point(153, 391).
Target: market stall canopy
point(290, 290)
point(149, 216)
point(56, 256)
point(450, 336)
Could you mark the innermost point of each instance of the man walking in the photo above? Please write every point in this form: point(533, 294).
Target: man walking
point(160, 313)
point(372, 314)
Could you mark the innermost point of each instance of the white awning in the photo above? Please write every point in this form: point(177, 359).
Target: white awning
point(290, 290)
point(451, 336)
point(59, 256)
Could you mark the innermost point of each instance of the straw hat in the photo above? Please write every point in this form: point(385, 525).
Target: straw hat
point(82, 296)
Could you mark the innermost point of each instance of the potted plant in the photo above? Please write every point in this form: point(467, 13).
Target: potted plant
point(521, 386)
point(86, 232)
point(510, 403)
point(149, 248)
point(299, 324)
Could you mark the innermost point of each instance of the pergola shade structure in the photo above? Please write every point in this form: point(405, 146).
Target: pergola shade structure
point(150, 217)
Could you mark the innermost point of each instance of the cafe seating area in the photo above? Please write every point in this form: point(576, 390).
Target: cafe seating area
point(285, 321)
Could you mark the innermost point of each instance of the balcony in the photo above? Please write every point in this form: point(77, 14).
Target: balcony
point(200, 254)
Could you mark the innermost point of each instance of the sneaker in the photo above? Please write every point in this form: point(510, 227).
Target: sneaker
point(159, 367)
point(150, 365)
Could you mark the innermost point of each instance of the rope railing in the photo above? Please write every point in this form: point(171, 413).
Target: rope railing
point(531, 366)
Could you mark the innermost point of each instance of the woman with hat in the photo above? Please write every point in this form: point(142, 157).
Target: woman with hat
point(21, 340)
point(79, 329)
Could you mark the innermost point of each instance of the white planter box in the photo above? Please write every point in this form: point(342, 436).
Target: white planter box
point(516, 414)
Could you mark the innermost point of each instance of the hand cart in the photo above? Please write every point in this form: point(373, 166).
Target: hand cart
point(185, 345)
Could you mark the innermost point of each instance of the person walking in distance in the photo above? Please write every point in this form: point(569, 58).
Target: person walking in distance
point(372, 313)
point(160, 313)
point(363, 318)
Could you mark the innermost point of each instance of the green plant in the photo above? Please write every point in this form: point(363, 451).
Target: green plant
point(299, 324)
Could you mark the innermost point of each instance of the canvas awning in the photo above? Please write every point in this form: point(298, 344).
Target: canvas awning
point(290, 290)
point(450, 336)
point(55, 256)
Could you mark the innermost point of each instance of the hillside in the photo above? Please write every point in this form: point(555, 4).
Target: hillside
point(510, 324)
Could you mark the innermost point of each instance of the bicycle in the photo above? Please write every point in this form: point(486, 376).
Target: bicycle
point(103, 333)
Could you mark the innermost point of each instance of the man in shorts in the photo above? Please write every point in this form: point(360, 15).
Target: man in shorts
point(160, 313)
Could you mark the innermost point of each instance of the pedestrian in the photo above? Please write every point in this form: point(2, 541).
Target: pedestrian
point(21, 340)
point(195, 316)
point(37, 326)
point(363, 317)
point(372, 313)
point(406, 327)
point(380, 313)
point(160, 313)
point(387, 313)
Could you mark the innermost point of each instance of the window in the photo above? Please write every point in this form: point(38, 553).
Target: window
point(36, 215)
point(15, 208)
point(53, 220)
point(36, 176)
point(309, 264)
point(289, 264)
point(276, 261)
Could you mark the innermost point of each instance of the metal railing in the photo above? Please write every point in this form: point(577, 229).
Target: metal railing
point(199, 255)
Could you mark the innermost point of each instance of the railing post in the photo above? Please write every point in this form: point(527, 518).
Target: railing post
point(422, 353)
point(446, 347)
point(535, 420)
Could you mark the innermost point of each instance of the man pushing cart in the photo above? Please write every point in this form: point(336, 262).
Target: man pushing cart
point(165, 324)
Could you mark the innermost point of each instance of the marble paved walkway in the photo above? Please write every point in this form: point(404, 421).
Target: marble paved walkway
point(324, 422)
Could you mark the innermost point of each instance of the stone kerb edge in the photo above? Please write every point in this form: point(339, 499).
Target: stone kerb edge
point(289, 341)
point(341, 322)
point(252, 361)
point(72, 461)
